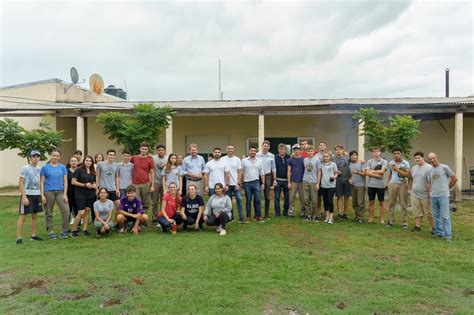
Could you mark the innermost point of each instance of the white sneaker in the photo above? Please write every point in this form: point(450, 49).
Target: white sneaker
point(71, 222)
point(219, 229)
point(330, 221)
point(326, 221)
point(223, 232)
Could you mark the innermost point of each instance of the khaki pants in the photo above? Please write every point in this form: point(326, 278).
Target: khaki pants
point(358, 201)
point(400, 192)
point(143, 193)
point(310, 196)
point(52, 197)
point(421, 208)
point(295, 187)
point(156, 198)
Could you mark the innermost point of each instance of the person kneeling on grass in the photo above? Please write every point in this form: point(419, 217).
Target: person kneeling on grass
point(192, 208)
point(103, 209)
point(130, 211)
point(218, 210)
point(169, 217)
point(30, 202)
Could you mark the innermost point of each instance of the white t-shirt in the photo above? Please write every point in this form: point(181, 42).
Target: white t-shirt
point(216, 172)
point(234, 164)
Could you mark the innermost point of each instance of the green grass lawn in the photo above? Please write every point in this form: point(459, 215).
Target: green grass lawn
point(278, 267)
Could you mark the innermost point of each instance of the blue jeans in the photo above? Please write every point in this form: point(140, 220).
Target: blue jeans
point(442, 216)
point(282, 185)
point(266, 193)
point(253, 189)
point(238, 200)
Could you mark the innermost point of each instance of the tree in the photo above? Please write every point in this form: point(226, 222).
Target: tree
point(400, 132)
point(43, 139)
point(145, 123)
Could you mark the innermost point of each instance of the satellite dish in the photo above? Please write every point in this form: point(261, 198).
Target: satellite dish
point(96, 84)
point(74, 75)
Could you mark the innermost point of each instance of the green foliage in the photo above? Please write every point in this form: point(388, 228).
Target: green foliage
point(401, 131)
point(144, 124)
point(43, 139)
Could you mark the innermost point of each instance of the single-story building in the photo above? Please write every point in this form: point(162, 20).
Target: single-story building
point(447, 124)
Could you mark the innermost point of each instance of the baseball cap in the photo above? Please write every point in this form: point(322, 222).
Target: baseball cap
point(295, 146)
point(35, 152)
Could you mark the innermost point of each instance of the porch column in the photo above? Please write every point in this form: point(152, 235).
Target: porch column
point(361, 140)
point(261, 130)
point(458, 135)
point(169, 136)
point(80, 138)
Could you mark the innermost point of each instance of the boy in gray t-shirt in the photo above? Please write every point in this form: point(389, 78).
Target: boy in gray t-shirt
point(107, 175)
point(375, 170)
point(125, 171)
point(311, 177)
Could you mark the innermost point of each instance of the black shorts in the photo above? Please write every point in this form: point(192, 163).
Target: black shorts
point(343, 188)
point(34, 206)
point(380, 192)
point(112, 195)
point(81, 203)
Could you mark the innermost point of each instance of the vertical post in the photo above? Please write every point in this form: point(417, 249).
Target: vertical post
point(169, 136)
point(361, 140)
point(458, 135)
point(80, 139)
point(261, 129)
point(447, 82)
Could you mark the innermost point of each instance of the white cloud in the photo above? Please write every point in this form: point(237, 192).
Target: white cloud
point(318, 49)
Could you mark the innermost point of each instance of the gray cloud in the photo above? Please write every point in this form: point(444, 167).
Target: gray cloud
point(317, 49)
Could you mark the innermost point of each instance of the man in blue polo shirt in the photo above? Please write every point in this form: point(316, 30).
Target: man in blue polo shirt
point(281, 165)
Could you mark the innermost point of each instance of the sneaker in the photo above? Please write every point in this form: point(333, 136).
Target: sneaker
point(344, 217)
point(74, 234)
point(52, 236)
point(241, 221)
point(86, 233)
point(416, 229)
point(159, 227)
point(97, 234)
point(36, 238)
point(359, 221)
point(19, 241)
point(405, 226)
point(259, 219)
point(223, 232)
point(71, 222)
point(330, 221)
point(247, 221)
point(389, 225)
point(63, 235)
point(326, 221)
point(433, 231)
point(307, 220)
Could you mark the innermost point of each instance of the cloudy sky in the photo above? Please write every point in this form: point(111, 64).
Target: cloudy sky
point(313, 49)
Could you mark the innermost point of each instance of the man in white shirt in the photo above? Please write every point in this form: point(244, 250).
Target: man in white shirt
point(252, 176)
point(215, 171)
point(268, 163)
point(233, 183)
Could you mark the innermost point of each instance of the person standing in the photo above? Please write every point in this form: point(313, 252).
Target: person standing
point(108, 176)
point(233, 180)
point(323, 146)
point(375, 170)
point(252, 176)
point(193, 168)
point(78, 156)
point(357, 182)
point(192, 208)
point(311, 181)
point(53, 187)
point(418, 190)
point(143, 177)
point(281, 166)
point(215, 171)
point(343, 188)
point(268, 163)
point(172, 174)
point(304, 148)
point(160, 159)
point(398, 187)
point(329, 174)
point(295, 180)
point(125, 171)
point(218, 210)
point(440, 180)
point(73, 163)
point(85, 194)
point(30, 200)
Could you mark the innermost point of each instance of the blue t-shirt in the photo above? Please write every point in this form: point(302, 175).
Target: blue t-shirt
point(297, 169)
point(53, 176)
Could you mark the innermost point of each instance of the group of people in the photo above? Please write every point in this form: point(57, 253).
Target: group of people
point(175, 187)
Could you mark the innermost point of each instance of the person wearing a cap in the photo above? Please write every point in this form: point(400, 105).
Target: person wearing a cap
point(295, 179)
point(30, 200)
